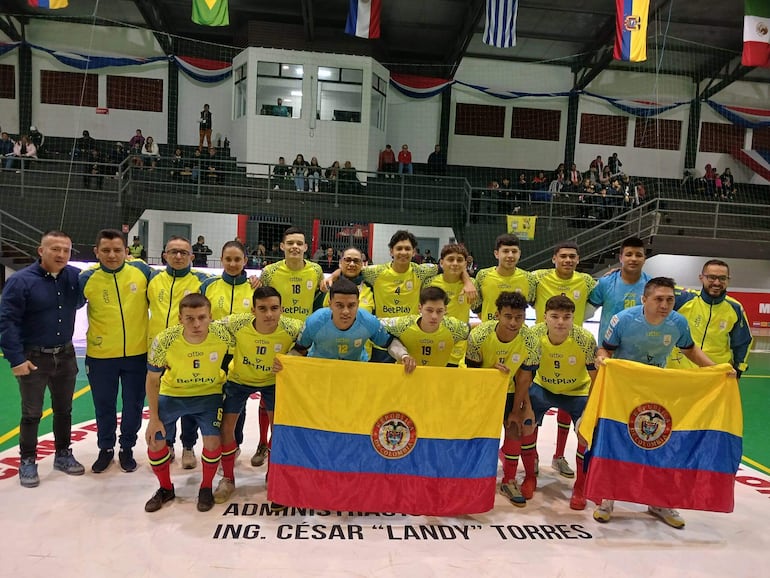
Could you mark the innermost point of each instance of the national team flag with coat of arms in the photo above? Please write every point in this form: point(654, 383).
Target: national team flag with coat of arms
point(663, 437)
point(756, 33)
point(48, 4)
point(364, 18)
point(366, 437)
point(631, 30)
point(210, 12)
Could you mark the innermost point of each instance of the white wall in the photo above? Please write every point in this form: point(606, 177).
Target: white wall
point(9, 108)
point(383, 233)
point(217, 228)
point(192, 96)
point(745, 274)
point(415, 122)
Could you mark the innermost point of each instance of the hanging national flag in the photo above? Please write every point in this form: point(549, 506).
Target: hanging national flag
point(631, 30)
point(364, 18)
point(756, 33)
point(210, 12)
point(500, 28)
point(670, 438)
point(364, 437)
point(48, 4)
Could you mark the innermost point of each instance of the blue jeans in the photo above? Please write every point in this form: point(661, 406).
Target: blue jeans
point(405, 168)
point(299, 182)
point(57, 372)
point(105, 375)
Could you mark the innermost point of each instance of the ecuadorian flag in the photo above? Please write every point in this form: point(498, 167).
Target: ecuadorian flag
point(663, 437)
point(631, 30)
point(366, 437)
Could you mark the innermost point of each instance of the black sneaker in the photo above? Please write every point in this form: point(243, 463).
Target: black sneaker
point(205, 499)
point(103, 462)
point(127, 461)
point(159, 498)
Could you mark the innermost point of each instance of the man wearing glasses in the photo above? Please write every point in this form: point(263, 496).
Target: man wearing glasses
point(717, 322)
point(165, 291)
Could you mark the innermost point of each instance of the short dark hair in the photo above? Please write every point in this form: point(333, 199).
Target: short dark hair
point(566, 245)
point(55, 233)
point(433, 294)
point(658, 282)
point(506, 239)
point(631, 242)
point(178, 238)
point(292, 231)
point(454, 248)
point(343, 286)
point(717, 262)
point(560, 303)
point(402, 235)
point(236, 244)
point(264, 292)
point(109, 234)
point(511, 299)
point(193, 300)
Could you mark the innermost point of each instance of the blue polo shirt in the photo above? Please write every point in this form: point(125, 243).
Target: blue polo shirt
point(38, 310)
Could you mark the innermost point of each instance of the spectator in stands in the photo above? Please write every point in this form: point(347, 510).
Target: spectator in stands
point(328, 262)
point(728, 184)
point(204, 132)
point(177, 165)
point(586, 192)
point(23, 150)
point(428, 258)
point(602, 205)
point(556, 186)
point(117, 156)
point(280, 110)
point(201, 252)
point(93, 172)
point(417, 257)
point(313, 175)
point(332, 175)
point(597, 164)
point(213, 166)
point(405, 160)
point(437, 162)
point(281, 172)
point(471, 266)
point(574, 178)
point(6, 147)
point(561, 171)
point(349, 183)
point(387, 162)
point(83, 146)
point(521, 189)
point(299, 169)
point(710, 177)
point(150, 152)
point(614, 164)
point(37, 138)
point(539, 183)
point(195, 173)
point(605, 180)
point(137, 250)
point(136, 144)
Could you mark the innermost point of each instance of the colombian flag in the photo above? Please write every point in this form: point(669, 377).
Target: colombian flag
point(48, 4)
point(664, 437)
point(366, 437)
point(631, 30)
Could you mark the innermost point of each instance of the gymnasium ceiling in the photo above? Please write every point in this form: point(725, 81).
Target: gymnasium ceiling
point(701, 39)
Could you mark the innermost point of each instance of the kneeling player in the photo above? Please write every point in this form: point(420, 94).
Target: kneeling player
point(500, 343)
point(563, 367)
point(185, 377)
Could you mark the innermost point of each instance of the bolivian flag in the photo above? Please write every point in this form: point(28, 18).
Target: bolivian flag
point(663, 437)
point(365, 437)
point(631, 30)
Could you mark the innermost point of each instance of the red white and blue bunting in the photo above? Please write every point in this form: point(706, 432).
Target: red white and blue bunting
point(742, 115)
point(8, 46)
point(756, 161)
point(637, 107)
point(415, 86)
point(203, 69)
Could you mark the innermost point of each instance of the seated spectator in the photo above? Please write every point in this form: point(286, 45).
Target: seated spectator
point(281, 172)
point(505, 197)
point(557, 185)
point(117, 156)
point(6, 146)
point(437, 162)
point(313, 175)
point(213, 165)
point(136, 144)
point(280, 110)
point(349, 183)
point(605, 181)
point(471, 266)
point(332, 175)
point(574, 178)
point(38, 139)
point(522, 187)
point(93, 171)
point(405, 160)
point(602, 205)
point(586, 192)
point(150, 153)
point(597, 164)
point(197, 161)
point(539, 183)
point(728, 184)
point(299, 169)
point(83, 146)
point(387, 162)
point(178, 168)
point(710, 178)
point(329, 262)
point(24, 151)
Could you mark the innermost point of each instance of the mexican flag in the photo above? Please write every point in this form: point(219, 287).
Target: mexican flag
point(756, 33)
point(210, 12)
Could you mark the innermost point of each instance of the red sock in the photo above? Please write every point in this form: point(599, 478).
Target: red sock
point(580, 480)
point(161, 462)
point(228, 459)
point(264, 423)
point(529, 453)
point(564, 421)
point(510, 450)
point(210, 462)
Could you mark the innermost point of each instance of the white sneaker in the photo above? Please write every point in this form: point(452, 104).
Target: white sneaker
point(225, 489)
point(561, 466)
point(669, 516)
point(276, 187)
point(603, 512)
point(189, 461)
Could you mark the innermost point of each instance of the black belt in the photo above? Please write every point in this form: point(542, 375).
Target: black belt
point(53, 350)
